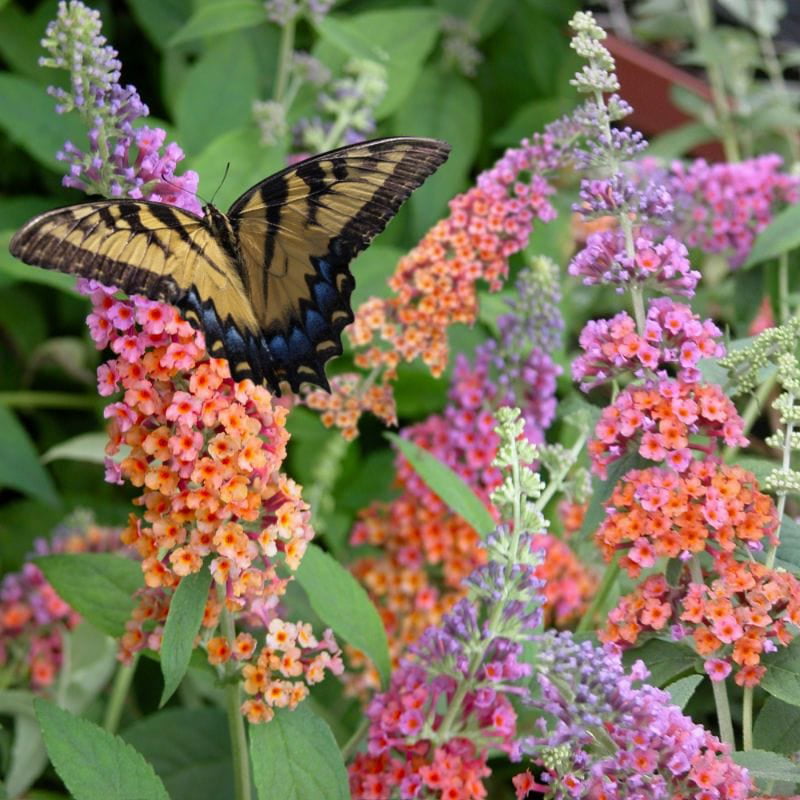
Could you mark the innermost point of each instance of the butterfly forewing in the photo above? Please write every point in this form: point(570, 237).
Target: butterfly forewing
point(299, 229)
point(269, 285)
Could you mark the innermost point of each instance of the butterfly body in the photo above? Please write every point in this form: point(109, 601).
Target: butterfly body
point(269, 282)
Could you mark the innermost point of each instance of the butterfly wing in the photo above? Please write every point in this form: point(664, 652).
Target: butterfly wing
point(158, 251)
point(299, 229)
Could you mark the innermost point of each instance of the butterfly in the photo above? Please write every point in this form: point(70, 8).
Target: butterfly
point(269, 282)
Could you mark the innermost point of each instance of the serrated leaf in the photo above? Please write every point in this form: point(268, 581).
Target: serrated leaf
point(189, 750)
point(782, 678)
point(777, 727)
point(99, 586)
point(343, 604)
point(89, 447)
point(665, 660)
point(781, 236)
point(186, 610)
point(93, 763)
point(451, 488)
point(221, 16)
point(28, 117)
point(295, 757)
point(768, 766)
point(681, 691)
point(20, 468)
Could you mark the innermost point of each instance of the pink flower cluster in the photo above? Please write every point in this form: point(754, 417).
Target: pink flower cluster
point(674, 337)
point(663, 266)
point(33, 618)
point(720, 208)
point(657, 419)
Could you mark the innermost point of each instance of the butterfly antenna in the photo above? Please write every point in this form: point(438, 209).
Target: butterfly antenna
point(224, 176)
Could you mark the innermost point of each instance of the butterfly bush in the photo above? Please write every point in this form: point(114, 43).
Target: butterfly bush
point(449, 701)
point(689, 504)
point(434, 286)
point(33, 618)
point(204, 451)
point(427, 551)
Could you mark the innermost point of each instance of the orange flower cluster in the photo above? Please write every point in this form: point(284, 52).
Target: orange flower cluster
point(435, 284)
point(747, 610)
point(656, 513)
point(206, 453)
point(659, 418)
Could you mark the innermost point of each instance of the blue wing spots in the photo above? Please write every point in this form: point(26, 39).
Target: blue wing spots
point(324, 268)
point(326, 297)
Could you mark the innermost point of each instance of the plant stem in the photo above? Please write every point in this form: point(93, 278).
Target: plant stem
point(609, 577)
point(284, 60)
point(783, 287)
point(119, 693)
point(786, 465)
point(751, 413)
point(239, 755)
point(352, 743)
point(723, 713)
point(747, 718)
point(637, 296)
point(773, 67)
point(700, 14)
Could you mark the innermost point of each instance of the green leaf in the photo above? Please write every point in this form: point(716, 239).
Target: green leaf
point(780, 236)
point(406, 35)
point(99, 586)
point(93, 763)
point(19, 462)
point(295, 757)
point(337, 32)
point(89, 447)
point(530, 117)
point(28, 756)
point(777, 727)
point(665, 660)
point(249, 162)
point(681, 691)
point(446, 106)
point(20, 37)
point(28, 118)
point(768, 766)
point(221, 16)
point(217, 93)
point(444, 482)
point(602, 489)
point(183, 622)
point(90, 658)
point(161, 19)
point(17, 209)
point(343, 604)
point(189, 750)
point(782, 678)
point(680, 140)
point(788, 553)
point(372, 269)
point(12, 270)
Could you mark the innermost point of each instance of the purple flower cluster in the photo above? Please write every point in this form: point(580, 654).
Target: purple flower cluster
point(120, 160)
point(607, 737)
point(619, 195)
point(662, 265)
point(674, 337)
point(721, 208)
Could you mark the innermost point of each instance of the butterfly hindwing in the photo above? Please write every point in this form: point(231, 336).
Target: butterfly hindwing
point(298, 231)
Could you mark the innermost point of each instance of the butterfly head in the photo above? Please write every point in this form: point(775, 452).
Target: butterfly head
point(220, 226)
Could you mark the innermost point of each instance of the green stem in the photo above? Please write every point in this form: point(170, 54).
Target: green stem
point(786, 465)
point(775, 72)
point(238, 736)
point(723, 713)
point(751, 413)
point(352, 743)
point(284, 60)
point(119, 694)
point(637, 296)
point(700, 14)
point(32, 399)
point(747, 718)
point(783, 287)
point(600, 597)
